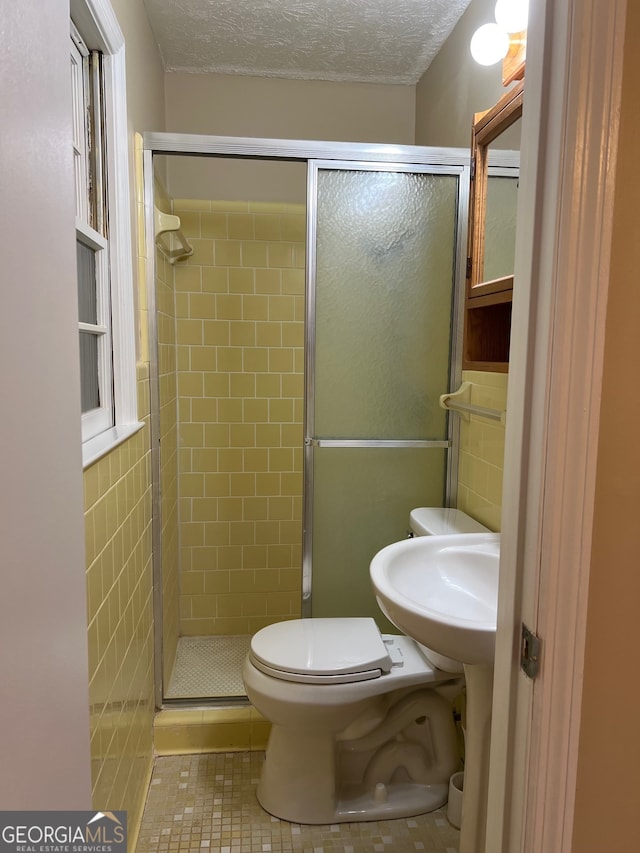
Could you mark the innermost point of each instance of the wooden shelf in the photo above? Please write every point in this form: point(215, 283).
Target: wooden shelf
point(487, 333)
point(497, 285)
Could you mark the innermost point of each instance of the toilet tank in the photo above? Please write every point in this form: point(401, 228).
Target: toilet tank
point(442, 521)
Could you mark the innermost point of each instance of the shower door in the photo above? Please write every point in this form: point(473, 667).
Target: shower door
point(382, 246)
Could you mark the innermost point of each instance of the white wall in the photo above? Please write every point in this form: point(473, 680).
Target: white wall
point(454, 87)
point(44, 725)
point(228, 105)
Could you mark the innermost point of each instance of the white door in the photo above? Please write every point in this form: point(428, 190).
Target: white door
point(572, 92)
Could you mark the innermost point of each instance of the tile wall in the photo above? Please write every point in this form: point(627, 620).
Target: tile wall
point(240, 359)
point(120, 624)
point(482, 451)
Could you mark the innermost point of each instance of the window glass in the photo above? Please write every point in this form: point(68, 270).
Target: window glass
point(87, 302)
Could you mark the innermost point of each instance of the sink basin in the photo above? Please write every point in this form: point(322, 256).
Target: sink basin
point(443, 592)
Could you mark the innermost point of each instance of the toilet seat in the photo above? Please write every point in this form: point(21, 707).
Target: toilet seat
point(321, 651)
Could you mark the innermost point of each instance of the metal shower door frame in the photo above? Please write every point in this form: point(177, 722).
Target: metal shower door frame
point(311, 441)
point(453, 161)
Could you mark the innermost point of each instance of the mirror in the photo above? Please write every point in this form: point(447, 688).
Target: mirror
point(493, 200)
point(492, 227)
point(500, 227)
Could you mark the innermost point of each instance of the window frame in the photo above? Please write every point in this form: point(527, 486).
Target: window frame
point(101, 418)
point(99, 28)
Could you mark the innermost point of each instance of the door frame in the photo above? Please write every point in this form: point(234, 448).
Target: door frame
point(574, 75)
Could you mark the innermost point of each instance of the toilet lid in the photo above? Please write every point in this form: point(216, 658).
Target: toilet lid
point(321, 651)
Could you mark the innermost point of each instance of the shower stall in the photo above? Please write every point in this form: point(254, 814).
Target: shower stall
point(296, 360)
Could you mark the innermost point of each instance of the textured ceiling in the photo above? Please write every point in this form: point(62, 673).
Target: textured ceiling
point(377, 41)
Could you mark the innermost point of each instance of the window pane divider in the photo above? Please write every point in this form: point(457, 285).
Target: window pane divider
point(89, 235)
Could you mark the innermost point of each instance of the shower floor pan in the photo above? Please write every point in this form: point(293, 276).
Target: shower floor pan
point(208, 667)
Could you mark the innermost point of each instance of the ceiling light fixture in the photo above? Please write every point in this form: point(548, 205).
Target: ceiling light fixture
point(512, 15)
point(490, 42)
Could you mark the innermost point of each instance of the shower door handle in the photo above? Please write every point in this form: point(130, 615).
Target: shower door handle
point(375, 442)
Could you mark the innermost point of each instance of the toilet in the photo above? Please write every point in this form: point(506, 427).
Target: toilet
point(362, 723)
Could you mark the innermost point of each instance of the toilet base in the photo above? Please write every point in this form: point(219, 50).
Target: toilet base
point(405, 799)
point(400, 801)
point(397, 769)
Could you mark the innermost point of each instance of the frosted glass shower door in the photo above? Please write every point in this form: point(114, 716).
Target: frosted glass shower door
point(382, 268)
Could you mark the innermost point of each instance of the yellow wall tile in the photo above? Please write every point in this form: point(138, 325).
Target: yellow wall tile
point(217, 581)
point(118, 572)
point(256, 360)
point(268, 435)
point(254, 253)
point(187, 279)
point(294, 228)
point(268, 281)
point(227, 253)
point(268, 227)
point(243, 435)
point(255, 459)
point(240, 533)
point(241, 226)
point(281, 360)
point(182, 204)
point(201, 305)
point(255, 411)
point(282, 308)
point(217, 486)
point(240, 339)
point(482, 452)
point(228, 307)
point(243, 334)
point(230, 410)
point(231, 459)
point(293, 282)
point(214, 226)
point(215, 279)
point(280, 411)
point(241, 279)
point(268, 385)
point(202, 252)
point(230, 509)
point(229, 359)
point(255, 307)
point(203, 410)
point(281, 255)
point(243, 385)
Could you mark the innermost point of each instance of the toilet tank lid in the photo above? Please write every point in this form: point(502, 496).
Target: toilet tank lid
point(442, 521)
point(322, 646)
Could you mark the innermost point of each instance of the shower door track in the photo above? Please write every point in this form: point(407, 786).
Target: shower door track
point(455, 161)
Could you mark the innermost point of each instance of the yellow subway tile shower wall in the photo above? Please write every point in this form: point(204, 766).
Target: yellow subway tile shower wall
point(239, 304)
point(482, 451)
point(117, 492)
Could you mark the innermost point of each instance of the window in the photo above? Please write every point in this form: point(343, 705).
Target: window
point(92, 247)
point(106, 327)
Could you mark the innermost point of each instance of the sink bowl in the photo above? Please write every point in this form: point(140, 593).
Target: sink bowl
point(443, 592)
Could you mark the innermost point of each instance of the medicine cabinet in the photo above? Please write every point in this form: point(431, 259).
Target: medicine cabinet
point(489, 280)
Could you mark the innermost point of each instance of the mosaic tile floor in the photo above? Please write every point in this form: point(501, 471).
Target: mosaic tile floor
point(208, 666)
point(207, 804)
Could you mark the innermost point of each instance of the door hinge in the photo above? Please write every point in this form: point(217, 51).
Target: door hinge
point(468, 267)
point(529, 652)
point(473, 167)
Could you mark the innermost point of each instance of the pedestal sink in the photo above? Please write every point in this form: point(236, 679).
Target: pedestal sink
point(443, 592)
